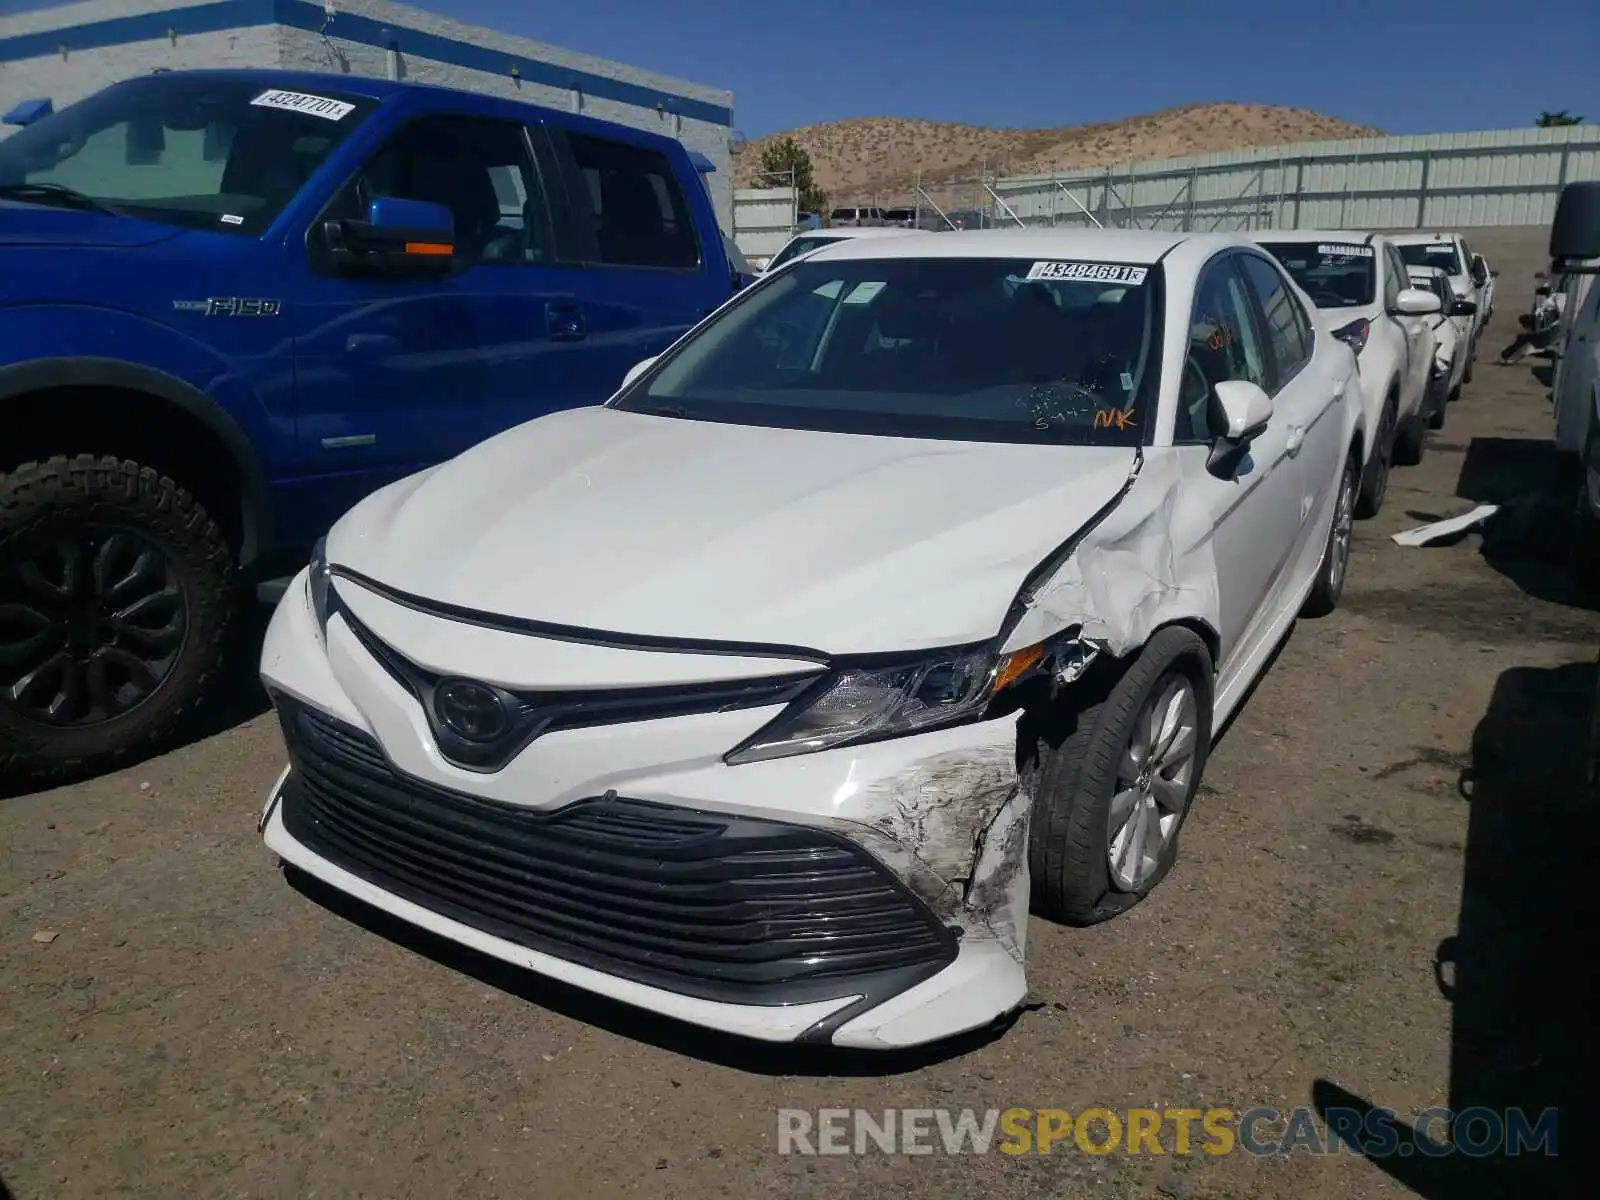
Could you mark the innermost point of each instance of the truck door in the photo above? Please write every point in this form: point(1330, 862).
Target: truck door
point(395, 374)
point(650, 269)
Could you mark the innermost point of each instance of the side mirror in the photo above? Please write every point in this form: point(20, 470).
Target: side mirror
point(1494, 274)
point(1245, 411)
point(638, 369)
point(28, 112)
point(1462, 308)
point(399, 237)
point(1414, 302)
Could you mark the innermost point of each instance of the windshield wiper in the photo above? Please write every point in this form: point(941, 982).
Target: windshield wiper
point(54, 193)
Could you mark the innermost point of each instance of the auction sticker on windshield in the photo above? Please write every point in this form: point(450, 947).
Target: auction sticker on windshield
point(1342, 251)
point(303, 102)
point(1089, 271)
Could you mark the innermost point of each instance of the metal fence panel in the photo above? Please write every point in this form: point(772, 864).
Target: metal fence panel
point(764, 219)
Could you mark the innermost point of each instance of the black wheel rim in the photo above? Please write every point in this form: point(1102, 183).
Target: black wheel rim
point(1380, 485)
point(91, 625)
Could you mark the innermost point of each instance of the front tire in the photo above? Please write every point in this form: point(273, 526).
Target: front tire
point(1375, 479)
point(1110, 800)
point(1335, 564)
point(1411, 442)
point(116, 589)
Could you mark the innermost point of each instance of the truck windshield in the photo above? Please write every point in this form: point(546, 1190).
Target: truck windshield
point(963, 349)
point(1334, 275)
point(193, 150)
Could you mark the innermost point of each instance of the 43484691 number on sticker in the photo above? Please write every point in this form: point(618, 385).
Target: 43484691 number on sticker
point(1090, 272)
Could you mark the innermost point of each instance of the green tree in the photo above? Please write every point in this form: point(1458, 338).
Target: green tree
point(784, 160)
point(1551, 120)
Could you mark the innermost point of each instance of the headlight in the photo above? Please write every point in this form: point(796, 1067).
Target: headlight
point(318, 583)
point(867, 704)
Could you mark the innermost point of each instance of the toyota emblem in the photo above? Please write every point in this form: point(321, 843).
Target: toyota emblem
point(472, 711)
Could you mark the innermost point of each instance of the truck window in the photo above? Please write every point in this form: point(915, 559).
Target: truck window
point(479, 169)
point(198, 152)
point(637, 212)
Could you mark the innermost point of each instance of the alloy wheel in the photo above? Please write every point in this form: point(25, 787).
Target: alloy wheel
point(91, 626)
point(1339, 544)
point(1153, 781)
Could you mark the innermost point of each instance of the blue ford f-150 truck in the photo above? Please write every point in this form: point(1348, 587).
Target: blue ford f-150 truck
point(234, 302)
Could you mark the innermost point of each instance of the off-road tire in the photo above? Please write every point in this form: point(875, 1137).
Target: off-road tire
point(1329, 585)
point(1073, 776)
point(60, 496)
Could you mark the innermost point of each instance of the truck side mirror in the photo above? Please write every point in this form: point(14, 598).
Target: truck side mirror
point(399, 237)
point(1575, 232)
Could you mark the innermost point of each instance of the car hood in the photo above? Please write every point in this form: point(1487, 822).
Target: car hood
point(41, 225)
point(657, 526)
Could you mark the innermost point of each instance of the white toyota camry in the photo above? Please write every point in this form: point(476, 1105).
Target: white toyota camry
point(903, 593)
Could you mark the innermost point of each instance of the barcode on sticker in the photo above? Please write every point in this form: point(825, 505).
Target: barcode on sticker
point(304, 102)
point(1346, 251)
point(1091, 272)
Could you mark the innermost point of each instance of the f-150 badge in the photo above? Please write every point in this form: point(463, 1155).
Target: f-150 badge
point(230, 306)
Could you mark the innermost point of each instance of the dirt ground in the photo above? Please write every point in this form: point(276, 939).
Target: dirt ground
point(1379, 901)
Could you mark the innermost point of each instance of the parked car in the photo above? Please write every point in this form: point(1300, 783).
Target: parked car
point(805, 243)
point(968, 218)
point(1361, 288)
point(1575, 255)
point(232, 303)
point(1485, 278)
point(927, 570)
point(1452, 255)
point(863, 217)
point(1450, 335)
point(904, 218)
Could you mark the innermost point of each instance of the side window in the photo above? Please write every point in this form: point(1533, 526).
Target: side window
point(637, 212)
point(478, 169)
point(1286, 343)
point(1223, 344)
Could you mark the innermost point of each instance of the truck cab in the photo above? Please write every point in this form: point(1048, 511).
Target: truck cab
point(233, 303)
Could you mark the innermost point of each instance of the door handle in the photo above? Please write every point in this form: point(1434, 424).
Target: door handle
point(1296, 439)
point(564, 322)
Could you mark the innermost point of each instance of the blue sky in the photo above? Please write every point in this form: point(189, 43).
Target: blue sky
point(1406, 66)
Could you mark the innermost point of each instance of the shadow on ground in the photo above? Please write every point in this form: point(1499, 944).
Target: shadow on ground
point(678, 1037)
point(1519, 972)
point(239, 698)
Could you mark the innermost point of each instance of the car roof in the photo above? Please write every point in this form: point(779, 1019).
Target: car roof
point(858, 231)
point(1358, 237)
point(1422, 239)
point(355, 85)
point(1140, 246)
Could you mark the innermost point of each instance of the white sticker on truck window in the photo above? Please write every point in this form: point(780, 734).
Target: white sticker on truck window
point(1090, 272)
point(864, 292)
point(1345, 251)
point(304, 102)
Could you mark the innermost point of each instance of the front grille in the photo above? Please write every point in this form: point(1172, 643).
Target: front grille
point(708, 905)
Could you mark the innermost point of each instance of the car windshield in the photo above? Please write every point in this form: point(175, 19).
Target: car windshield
point(1432, 254)
point(192, 150)
point(962, 349)
point(800, 245)
point(1333, 274)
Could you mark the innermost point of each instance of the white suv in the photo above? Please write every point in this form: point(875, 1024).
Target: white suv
point(1450, 253)
point(1361, 289)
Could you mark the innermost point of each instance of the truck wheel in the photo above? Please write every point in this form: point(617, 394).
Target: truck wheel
point(1110, 799)
point(1411, 441)
point(116, 589)
point(1375, 479)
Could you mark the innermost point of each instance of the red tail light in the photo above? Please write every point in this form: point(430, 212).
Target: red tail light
point(1354, 334)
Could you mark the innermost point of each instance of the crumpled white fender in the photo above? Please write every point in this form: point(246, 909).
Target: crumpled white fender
point(1147, 563)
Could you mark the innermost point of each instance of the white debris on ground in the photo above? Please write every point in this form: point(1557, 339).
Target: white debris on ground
point(1437, 531)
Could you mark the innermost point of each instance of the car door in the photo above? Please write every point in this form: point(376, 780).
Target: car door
point(1418, 334)
point(396, 373)
point(1254, 509)
point(645, 277)
point(1306, 394)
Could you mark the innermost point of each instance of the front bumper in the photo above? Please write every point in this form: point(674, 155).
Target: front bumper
point(874, 896)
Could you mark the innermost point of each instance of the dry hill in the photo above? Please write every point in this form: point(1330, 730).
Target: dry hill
point(854, 158)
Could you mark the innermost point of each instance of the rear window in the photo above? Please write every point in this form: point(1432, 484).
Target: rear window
point(1432, 254)
point(996, 350)
point(1333, 274)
